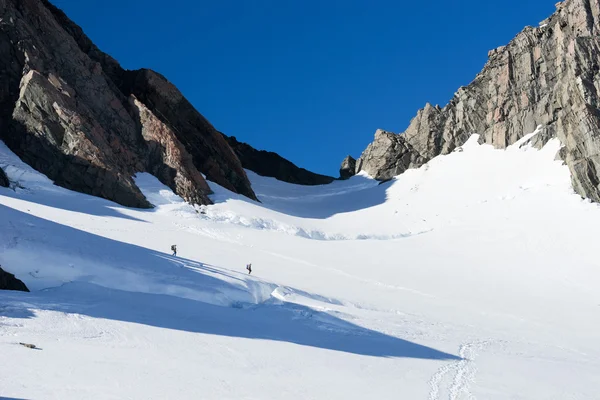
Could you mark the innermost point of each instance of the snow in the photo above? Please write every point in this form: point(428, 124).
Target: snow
point(473, 277)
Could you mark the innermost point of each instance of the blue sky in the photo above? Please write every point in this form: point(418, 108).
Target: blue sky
point(309, 79)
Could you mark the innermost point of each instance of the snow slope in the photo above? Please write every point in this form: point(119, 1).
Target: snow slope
point(473, 277)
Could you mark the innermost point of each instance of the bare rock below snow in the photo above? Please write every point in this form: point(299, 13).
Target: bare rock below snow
point(348, 168)
point(9, 282)
point(548, 76)
point(3, 179)
point(267, 163)
point(71, 112)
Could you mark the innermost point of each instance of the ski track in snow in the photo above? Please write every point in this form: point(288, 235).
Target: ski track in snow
point(456, 377)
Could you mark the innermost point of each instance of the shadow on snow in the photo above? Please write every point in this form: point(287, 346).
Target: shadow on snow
point(287, 322)
point(187, 288)
point(317, 202)
point(60, 198)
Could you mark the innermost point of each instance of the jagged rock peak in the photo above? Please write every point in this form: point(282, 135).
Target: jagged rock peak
point(71, 112)
point(547, 75)
point(348, 168)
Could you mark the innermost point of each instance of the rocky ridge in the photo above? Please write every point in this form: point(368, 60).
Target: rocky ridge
point(547, 76)
point(267, 163)
point(71, 112)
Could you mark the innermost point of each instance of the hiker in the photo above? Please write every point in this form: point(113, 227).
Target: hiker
point(174, 249)
point(249, 268)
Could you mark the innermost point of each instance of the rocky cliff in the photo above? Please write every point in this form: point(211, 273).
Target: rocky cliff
point(72, 113)
point(271, 164)
point(548, 75)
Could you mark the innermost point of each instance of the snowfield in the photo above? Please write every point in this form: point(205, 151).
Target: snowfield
point(473, 277)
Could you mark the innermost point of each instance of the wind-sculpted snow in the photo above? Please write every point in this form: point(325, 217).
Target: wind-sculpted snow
point(483, 285)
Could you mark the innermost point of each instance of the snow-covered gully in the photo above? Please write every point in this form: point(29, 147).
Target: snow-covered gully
point(473, 277)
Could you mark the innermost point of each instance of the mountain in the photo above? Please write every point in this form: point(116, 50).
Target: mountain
point(71, 112)
point(473, 277)
point(74, 114)
point(546, 76)
point(267, 163)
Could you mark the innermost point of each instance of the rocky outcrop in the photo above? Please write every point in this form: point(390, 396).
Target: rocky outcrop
point(387, 156)
point(548, 75)
point(3, 179)
point(167, 158)
point(71, 112)
point(348, 167)
point(9, 282)
point(266, 163)
point(210, 152)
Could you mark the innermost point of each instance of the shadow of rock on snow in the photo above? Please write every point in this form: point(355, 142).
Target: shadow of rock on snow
point(58, 197)
point(158, 290)
point(317, 202)
point(285, 322)
point(46, 254)
point(11, 398)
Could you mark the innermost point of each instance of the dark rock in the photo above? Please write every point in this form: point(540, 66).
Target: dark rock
point(9, 282)
point(546, 76)
point(3, 179)
point(72, 113)
point(266, 163)
point(348, 168)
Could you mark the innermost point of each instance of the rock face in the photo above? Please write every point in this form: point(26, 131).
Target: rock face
point(387, 156)
point(9, 282)
point(548, 75)
point(211, 154)
point(3, 179)
point(72, 113)
point(348, 168)
point(266, 163)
